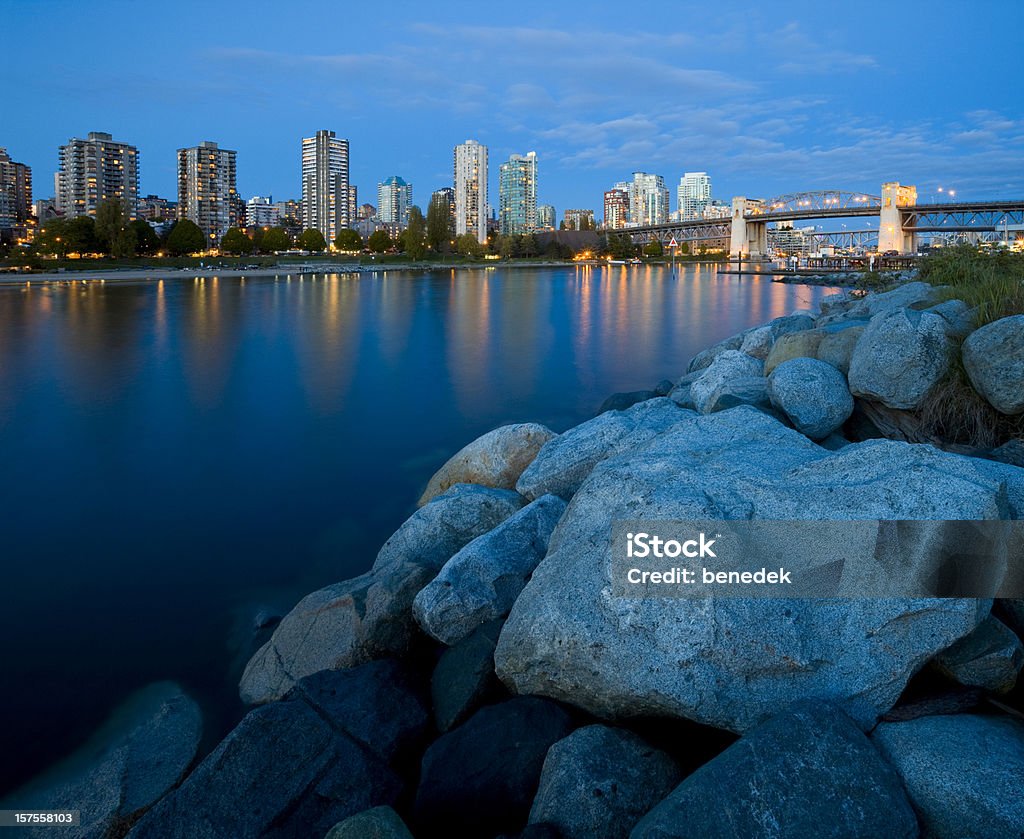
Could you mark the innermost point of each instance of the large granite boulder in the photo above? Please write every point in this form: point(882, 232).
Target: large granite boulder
point(282, 772)
point(370, 616)
point(837, 345)
point(375, 823)
point(959, 317)
point(140, 753)
point(994, 359)
point(963, 773)
point(463, 679)
point(483, 580)
point(758, 342)
point(599, 781)
point(496, 459)
point(812, 394)
point(704, 358)
point(482, 776)
point(809, 771)
point(728, 662)
point(728, 366)
point(901, 356)
point(915, 295)
point(563, 464)
point(803, 344)
point(991, 657)
point(744, 390)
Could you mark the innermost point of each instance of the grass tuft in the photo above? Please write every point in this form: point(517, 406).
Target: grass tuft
point(991, 282)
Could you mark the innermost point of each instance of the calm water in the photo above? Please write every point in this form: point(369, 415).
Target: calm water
point(176, 455)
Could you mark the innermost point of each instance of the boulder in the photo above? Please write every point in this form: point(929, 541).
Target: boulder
point(370, 616)
point(482, 581)
point(680, 393)
point(482, 776)
point(959, 317)
point(664, 387)
point(141, 752)
point(991, 657)
point(758, 342)
point(1011, 612)
point(381, 704)
point(901, 356)
point(496, 459)
point(802, 344)
point(283, 771)
point(464, 677)
point(704, 358)
point(376, 823)
point(729, 365)
point(744, 390)
point(963, 773)
point(908, 295)
point(994, 359)
point(837, 346)
point(727, 662)
point(812, 394)
point(810, 771)
point(564, 463)
point(599, 781)
point(622, 401)
point(1011, 452)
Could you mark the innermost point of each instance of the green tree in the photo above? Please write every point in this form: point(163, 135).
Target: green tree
point(414, 235)
point(467, 245)
point(236, 242)
point(684, 248)
point(110, 222)
point(80, 235)
point(621, 246)
point(379, 241)
point(312, 240)
point(146, 240)
point(508, 247)
point(185, 238)
point(438, 225)
point(124, 243)
point(528, 245)
point(654, 248)
point(276, 239)
point(348, 240)
point(52, 238)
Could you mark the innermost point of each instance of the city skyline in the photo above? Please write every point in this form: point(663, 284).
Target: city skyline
point(768, 101)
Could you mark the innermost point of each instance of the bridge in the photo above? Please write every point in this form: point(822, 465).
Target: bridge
point(900, 220)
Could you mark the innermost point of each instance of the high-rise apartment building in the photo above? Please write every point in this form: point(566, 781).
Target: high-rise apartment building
point(207, 194)
point(394, 198)
point(694, 195)
point(470, 186)
point(327, 200)
point(517, 194)
point(546, 217)
point(579, 220)
point(447, 194)
point(15, 193)
point(648, 199)
point(616, 208)
point(261, 211)
point(94, 170)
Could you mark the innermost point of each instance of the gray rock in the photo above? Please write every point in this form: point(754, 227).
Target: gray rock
point(704, 358)
point(1011, 452)
point(496, 459)
point(837, 346)
point(744, 390)
point(664, 387)
point(727, 662)
point(994, 359)
point(564, 463)
point(464, 677)
point(963, 773)
point(909, 295)
point(143, 750)
point(599, 781)
point(729, 365)
point(377, 823)
point(1011, 612)
point(991, 657)
point(812, 394)
point(622, 401)
point(802, 344)
point(831, 304)
point(283, 771)
point(959, 317)
point(758, 342)
point(483, 580)
point(834, 442)
point(807, 772)
point(900, 358)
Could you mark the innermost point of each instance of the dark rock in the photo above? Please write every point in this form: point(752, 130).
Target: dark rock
point(807, 772)
point(664, 387)
point(599, 781)
point(482, 776)
point(990, 657)
point(1011, 452)
point(622, 401)
point(378, 823)
point(464, 677)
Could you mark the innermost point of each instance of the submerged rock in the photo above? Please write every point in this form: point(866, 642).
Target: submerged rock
point(496, 459)
point(994, 359)
point(812, 394)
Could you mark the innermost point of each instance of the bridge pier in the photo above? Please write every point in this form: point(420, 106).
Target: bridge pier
point(748, 238)
point(891, 234)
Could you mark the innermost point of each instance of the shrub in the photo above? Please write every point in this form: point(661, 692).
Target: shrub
point(992, 282)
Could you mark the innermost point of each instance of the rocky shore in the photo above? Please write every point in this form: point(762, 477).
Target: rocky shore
point(481, 680)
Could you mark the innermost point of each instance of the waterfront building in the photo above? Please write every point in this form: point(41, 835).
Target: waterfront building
point(694, 195)
point(648, 199)
point(327, 201)
point(546, 217)
point(517, 194)
point(262, 212)
point(353, 204)
point(155, 208)
point(207, 194)
point(15, 194)
point(579, 220)
point(616, 208)
point(448, 194)
point(96, 169)
point(470, 189)
point(394, 198)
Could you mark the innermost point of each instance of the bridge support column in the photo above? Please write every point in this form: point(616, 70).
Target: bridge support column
point(891, 235)
point(747, 238)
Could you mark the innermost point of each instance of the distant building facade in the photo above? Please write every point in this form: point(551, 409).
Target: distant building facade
point(261, 211)
point(15, 195)
point(207, 193)
point(327, 201)
point(94, 170)
point(616, 208)
point(470, 189)
point(394, 198)
point(155, 208)
point(517, 194)
point(579, 220)
point(648, 199)
point(693, 195)
point(448, 194)
point(546, 217)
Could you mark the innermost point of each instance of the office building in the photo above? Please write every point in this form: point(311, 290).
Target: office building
point(207, 194)
point(394, 198)
point(327, 200)
point(694, 195)
point(94, 170)
point(470, 188)
point(517, 195)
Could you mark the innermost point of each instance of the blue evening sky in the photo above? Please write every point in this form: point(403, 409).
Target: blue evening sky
point(768, 98)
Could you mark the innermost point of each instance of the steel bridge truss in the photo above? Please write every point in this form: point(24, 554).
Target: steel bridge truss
point(980, 217)
point(708, 232)
point(827, 202)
